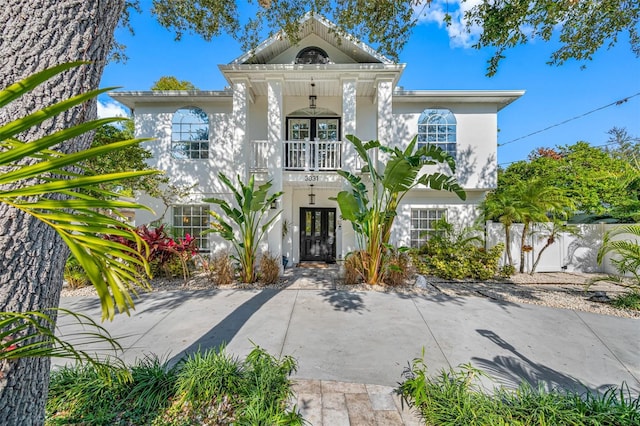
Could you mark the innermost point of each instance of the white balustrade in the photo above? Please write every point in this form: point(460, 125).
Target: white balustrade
point(300, 155)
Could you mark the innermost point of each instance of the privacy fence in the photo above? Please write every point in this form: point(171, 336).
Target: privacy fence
point(570, 253)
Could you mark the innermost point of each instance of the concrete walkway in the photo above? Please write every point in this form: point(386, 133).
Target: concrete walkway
point(352, 347)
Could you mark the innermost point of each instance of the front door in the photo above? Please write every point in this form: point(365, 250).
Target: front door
point(318, 234)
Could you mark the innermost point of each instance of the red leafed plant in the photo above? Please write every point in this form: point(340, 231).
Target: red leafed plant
point(162, 251)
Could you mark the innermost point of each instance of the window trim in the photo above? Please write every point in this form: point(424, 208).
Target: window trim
point(440, 212)
point(450, 144)
point(203, 240)
point(187, 152)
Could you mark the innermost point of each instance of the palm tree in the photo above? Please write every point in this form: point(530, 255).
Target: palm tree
point(502, 207)
point(538, 202)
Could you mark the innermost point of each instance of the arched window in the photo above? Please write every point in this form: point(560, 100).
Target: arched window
point(437, 127)
point(190, 134)
point(312, 55)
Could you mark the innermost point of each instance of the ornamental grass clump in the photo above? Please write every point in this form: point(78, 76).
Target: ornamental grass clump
point(269, 269)
point(455, 397)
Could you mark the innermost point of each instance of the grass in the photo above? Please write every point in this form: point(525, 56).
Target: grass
point(454, 397)
point(210, 387)
point(628, 300)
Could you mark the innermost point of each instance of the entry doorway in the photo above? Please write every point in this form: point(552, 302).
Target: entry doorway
point(318, 234)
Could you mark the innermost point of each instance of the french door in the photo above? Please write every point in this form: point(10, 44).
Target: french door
point(318, 234)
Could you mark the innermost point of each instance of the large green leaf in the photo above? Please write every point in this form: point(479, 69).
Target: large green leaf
point(34, 170)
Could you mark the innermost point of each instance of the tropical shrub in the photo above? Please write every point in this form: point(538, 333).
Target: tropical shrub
point(625, 254)
point(210, 387)
point(167, 256)
point(371, 206)
point(219, 268)
point(450, 254)
point(354, 272)
point(398, 266)
point(246, 216)
point(74, 275)
point(269, 269)
point(456, 397)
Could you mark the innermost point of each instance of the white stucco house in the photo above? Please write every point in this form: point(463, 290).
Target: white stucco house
point(284, 117)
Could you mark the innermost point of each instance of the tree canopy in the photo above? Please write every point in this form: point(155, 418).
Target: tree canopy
point(600, 182)
point(169, 82)
point(582, 27)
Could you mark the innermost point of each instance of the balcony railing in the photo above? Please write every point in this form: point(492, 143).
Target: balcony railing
point(301, 155)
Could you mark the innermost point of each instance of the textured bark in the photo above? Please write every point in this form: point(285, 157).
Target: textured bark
point(35, 35)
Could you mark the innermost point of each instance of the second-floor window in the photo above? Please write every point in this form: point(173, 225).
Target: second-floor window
point(437, 127)
point(190, 134)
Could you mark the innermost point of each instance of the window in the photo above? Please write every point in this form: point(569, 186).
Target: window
point(190, 134)
point(312, 55)
point(192, 220)
point(437, 127)
point(423, 224)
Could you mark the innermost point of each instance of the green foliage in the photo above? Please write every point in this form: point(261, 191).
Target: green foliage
point(597, 181)
point(74, 275)
point(452, 254)
point(454, 397)
point(169, 82)
point(583, 27)
point(627, 300)
point(385, 23)
point(36, 179)
point(398, 266)
point(506, 271)
point(246, 216)
point(269, 269)
point(625, 253)
point(132, 157)
point(371, 208)
point(80, 395)
point(211, 387)
point(526, 202)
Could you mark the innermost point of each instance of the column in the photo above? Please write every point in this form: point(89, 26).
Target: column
point(240, 159)
point(274, 138)
point(345, 236)
point(385, 110)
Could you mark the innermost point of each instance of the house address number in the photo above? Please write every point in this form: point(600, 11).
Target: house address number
point(311, 178)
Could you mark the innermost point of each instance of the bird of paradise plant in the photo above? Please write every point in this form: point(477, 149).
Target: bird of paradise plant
point(371, 208)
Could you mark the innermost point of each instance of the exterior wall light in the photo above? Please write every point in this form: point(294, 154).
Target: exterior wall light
point(312, 97)
point(312, 197)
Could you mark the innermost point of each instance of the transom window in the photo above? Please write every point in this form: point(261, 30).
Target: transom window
point(190, 134)
point(192, 219)
point(312, 55)
point(423, 224)
point(437, 127)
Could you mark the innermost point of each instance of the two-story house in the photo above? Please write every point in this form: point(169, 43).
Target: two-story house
point(284, 118)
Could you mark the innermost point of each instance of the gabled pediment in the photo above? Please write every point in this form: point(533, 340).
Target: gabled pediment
point(318, 36)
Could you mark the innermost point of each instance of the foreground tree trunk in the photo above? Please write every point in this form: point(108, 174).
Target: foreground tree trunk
point(35, 35)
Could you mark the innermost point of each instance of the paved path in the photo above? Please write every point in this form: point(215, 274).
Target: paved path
point(343, 340)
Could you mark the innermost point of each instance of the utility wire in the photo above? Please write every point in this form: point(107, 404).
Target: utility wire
point(594, 146)
point(620, 102)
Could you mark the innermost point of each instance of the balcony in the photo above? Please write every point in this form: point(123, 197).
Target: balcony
point(299, 155)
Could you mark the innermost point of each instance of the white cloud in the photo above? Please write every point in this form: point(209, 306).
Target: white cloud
point(459, 35)
point(111, 109)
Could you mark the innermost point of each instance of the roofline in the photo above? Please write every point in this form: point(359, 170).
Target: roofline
point(280, 35)
point(501, 97)
point(131, 98)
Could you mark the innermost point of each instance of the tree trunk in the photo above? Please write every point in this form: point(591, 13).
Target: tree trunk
point(35, 35)
point(507, 240)
point(523, 240)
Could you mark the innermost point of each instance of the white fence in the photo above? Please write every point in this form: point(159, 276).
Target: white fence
point(570, 253)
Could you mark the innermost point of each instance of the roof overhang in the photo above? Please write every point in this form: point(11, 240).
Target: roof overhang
point(501, 98)
point(134, 98)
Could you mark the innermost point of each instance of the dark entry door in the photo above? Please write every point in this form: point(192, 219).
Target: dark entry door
point(318, 234)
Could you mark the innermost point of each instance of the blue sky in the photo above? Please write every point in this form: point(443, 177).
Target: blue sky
point(437, 59)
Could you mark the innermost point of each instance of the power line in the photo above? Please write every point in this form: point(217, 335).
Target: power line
point(619, 102)
point(506, 163)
